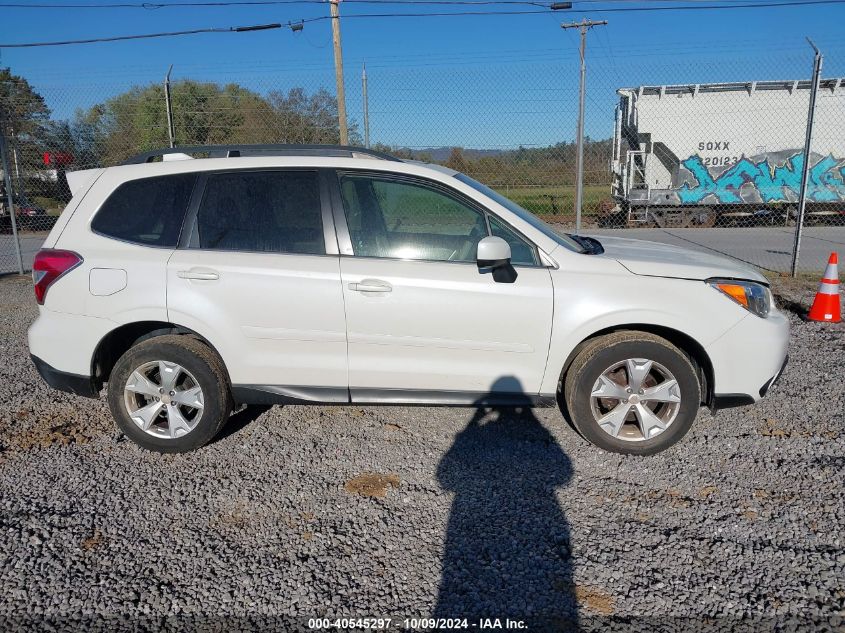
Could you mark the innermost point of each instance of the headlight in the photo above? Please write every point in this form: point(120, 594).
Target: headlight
point(752, 296)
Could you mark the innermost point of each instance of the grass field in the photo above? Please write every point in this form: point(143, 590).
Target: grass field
point(556, 200)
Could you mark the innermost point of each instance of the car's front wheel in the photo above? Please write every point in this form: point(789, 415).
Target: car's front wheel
point(169, 394)
point(632, 392)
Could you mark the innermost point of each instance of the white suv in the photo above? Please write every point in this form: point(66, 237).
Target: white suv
point(279, 274)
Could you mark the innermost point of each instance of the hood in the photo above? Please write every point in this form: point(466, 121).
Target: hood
point(663, 260)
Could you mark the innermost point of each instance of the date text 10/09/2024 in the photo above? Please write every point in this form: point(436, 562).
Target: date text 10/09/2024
point(417, 624)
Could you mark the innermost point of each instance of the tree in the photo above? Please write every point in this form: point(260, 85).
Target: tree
point(401, 152)
point(203, 114)
point(206, 114)
point(308, 119)
point(22, 109)
point(23, 115)
point(457, 161)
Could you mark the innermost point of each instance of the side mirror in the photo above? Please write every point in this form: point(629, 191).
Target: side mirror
point(494, 254)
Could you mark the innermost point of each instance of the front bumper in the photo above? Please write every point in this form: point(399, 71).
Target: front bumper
point(63, 381)
point(748, 359)
point(771, 383)
point(730, 400)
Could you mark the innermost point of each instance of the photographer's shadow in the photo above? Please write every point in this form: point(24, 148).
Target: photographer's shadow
point(507, 551)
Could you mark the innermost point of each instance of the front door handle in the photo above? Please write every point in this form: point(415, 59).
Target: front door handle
point(195, 273)
point(371, 285)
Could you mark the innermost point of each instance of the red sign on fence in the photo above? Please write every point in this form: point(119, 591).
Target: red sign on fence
point(58, 159)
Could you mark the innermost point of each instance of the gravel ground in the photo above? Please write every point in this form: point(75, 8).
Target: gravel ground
point(414, 512)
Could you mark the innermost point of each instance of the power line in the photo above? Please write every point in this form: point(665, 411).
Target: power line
point(441, 14)
point(737, 4)
point(701, 7)
point(646, 2)
point(508, 57)
point(230, 3)
point(694, 7)
point(297, 25)
point(294, 26)
point(228, 29)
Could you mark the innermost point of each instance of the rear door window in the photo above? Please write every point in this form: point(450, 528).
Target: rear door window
point(149, 211)
point(270, 211)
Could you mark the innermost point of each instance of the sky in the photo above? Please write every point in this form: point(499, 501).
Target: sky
point(474, 81)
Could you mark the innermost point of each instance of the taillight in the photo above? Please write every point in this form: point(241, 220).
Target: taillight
point(50, 264)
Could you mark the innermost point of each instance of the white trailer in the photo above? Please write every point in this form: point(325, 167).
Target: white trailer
point(698, 154)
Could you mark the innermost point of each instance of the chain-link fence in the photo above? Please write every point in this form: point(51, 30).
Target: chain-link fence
point(701, 151)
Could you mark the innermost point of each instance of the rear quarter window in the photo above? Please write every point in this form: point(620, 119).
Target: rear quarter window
point(149, 211)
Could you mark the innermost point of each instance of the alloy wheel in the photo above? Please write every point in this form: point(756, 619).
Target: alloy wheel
point(163, 399)
point(635, 399)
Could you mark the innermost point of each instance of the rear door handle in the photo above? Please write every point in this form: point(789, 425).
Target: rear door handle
point(371, 285)
point(195, 273)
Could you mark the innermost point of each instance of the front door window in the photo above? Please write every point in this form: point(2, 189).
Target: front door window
point(407, 220)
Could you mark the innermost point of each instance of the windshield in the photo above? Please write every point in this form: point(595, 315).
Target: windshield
point(529, 217)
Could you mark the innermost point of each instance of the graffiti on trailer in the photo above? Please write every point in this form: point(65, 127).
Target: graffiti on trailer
point(760, 181)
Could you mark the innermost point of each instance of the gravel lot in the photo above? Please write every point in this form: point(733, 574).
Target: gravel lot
point(413, 512)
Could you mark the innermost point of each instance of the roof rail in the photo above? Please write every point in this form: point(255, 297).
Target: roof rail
point(228, 151)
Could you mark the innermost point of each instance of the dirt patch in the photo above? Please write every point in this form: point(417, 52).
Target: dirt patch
point(93, 541)
point(390, 426)
point(59, 425)
point(594, 599)
point(371, 484)
point(671, 496)
point(47, 436)
point(237, 516)
point(771, 429)
point(707, 491)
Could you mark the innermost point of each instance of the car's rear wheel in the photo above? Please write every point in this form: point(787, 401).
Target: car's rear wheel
point(169, 394)
point(632, 392)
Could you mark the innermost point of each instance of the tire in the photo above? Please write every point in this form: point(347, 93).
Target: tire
point(614, 350)
point(172, 426)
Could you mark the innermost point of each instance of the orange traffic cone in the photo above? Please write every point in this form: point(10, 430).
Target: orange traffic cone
point(826, 305)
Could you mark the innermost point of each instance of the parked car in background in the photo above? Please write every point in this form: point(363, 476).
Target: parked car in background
point(28, 215)
point(340, 275)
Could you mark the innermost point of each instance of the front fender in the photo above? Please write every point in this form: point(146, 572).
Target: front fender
point(588, 304)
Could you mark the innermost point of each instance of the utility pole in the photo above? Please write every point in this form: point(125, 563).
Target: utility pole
point(170, 131)
point(366, 106)
point(584, 26)
point(808, 146)
point(338, 73)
